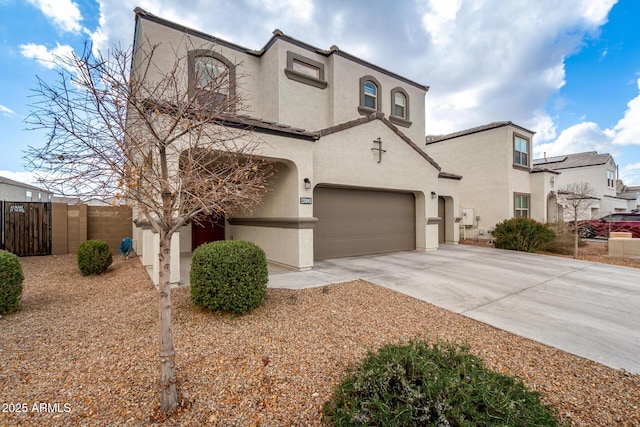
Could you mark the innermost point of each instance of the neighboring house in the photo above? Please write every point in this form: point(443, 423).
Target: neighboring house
point(499, 180)
point(629, 193)
point(14, 191)
point(600, 172)
point(344, 133)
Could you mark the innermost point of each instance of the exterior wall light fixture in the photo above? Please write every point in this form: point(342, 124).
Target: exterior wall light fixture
point(433, 194)
point(307, 184)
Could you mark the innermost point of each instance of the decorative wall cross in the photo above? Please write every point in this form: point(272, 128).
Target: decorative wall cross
point(378, 149)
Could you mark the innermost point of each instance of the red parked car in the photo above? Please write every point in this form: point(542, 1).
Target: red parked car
point(618, 221)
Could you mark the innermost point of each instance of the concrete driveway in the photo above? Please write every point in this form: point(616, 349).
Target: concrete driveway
point(588, 309)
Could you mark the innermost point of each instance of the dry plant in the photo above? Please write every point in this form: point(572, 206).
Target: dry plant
point(129, 126)
point(577, 198)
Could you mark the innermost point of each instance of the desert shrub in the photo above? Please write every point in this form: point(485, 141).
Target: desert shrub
point(522, 234)
point(11, 278)
point(422, 384)
point(94, 257)
point(228, 276)
point(565, 239)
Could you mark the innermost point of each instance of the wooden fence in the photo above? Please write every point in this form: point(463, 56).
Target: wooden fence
point(26, 228)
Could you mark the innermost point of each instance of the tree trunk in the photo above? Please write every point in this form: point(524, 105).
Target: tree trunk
point(168, 384)
point(575, 240)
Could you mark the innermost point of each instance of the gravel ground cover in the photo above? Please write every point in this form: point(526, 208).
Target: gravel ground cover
point(83, 351)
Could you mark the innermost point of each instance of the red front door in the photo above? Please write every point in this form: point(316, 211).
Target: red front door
point(209, 230)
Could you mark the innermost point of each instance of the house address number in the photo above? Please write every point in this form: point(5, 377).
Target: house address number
point(306, 200)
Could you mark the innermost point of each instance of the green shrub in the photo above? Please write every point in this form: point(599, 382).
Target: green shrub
point(11, 278)
point(94, 257)
point(419, 384)
point(522, 234)
point(228, 276)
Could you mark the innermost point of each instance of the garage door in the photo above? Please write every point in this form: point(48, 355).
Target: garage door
point(359, 222)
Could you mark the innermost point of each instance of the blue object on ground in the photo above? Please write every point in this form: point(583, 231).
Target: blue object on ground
point(126, 246)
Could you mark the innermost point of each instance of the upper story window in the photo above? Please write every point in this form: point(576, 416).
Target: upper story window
point(520, 151)
point(521, 205)
point(305, 70)
point(369, 95)
point(28, 195)
point(212, 79)
point(400, 107)
point(611, 179)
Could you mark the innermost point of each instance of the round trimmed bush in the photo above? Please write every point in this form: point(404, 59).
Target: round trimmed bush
point(11, 278)
point(94, 257)
point(523, 234)
point(419, 384)
point(228, 276)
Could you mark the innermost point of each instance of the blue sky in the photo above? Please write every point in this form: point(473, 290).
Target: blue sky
point(568, 70)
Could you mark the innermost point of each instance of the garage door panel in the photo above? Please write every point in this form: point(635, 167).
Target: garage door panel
point(358, 222)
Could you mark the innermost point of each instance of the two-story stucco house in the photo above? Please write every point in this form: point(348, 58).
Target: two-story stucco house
point(598, 170)
point(344, 134)
point(14, 191)
point(499, 179)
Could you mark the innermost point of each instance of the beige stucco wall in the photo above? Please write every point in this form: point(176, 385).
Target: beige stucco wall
point(346, 159)
point(485, 160)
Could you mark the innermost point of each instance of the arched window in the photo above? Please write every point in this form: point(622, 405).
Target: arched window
point(211, 74)
point(369, 95)
point(400, 113)
point(400, 105)
point(211, 79)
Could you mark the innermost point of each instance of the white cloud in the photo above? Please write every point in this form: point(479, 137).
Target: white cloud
point(64, 13)
point(49, 58)
point(586, 136)
point(30, 178)
point(627, 130)
point(630, 174)
point(6, 111)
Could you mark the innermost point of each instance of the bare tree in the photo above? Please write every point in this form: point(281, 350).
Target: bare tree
point(174, 151)
point(577, 198)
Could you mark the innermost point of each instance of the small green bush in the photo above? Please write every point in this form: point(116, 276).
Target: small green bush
point(228, 276)
point(522, 234)
point(11, 278)
point(94, 257)
point(419, 384)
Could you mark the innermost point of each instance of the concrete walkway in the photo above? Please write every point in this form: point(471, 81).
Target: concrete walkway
point(588, 309)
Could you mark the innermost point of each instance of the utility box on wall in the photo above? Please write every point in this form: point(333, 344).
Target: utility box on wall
point(467, 216)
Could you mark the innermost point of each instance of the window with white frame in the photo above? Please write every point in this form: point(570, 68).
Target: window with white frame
point(400, 112)
point(521, 205)
point(369, 95)
point(611, 179)
point(28, 195)
point(520, 151)
point(400, 105)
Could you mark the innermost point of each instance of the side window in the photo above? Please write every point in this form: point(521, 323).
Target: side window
point(520, 151)
point(611, 179)
point(28, 196)
point(400, 107)
point(305, 70)
point(521, 205)
point(369, 95)
point(212, 79)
